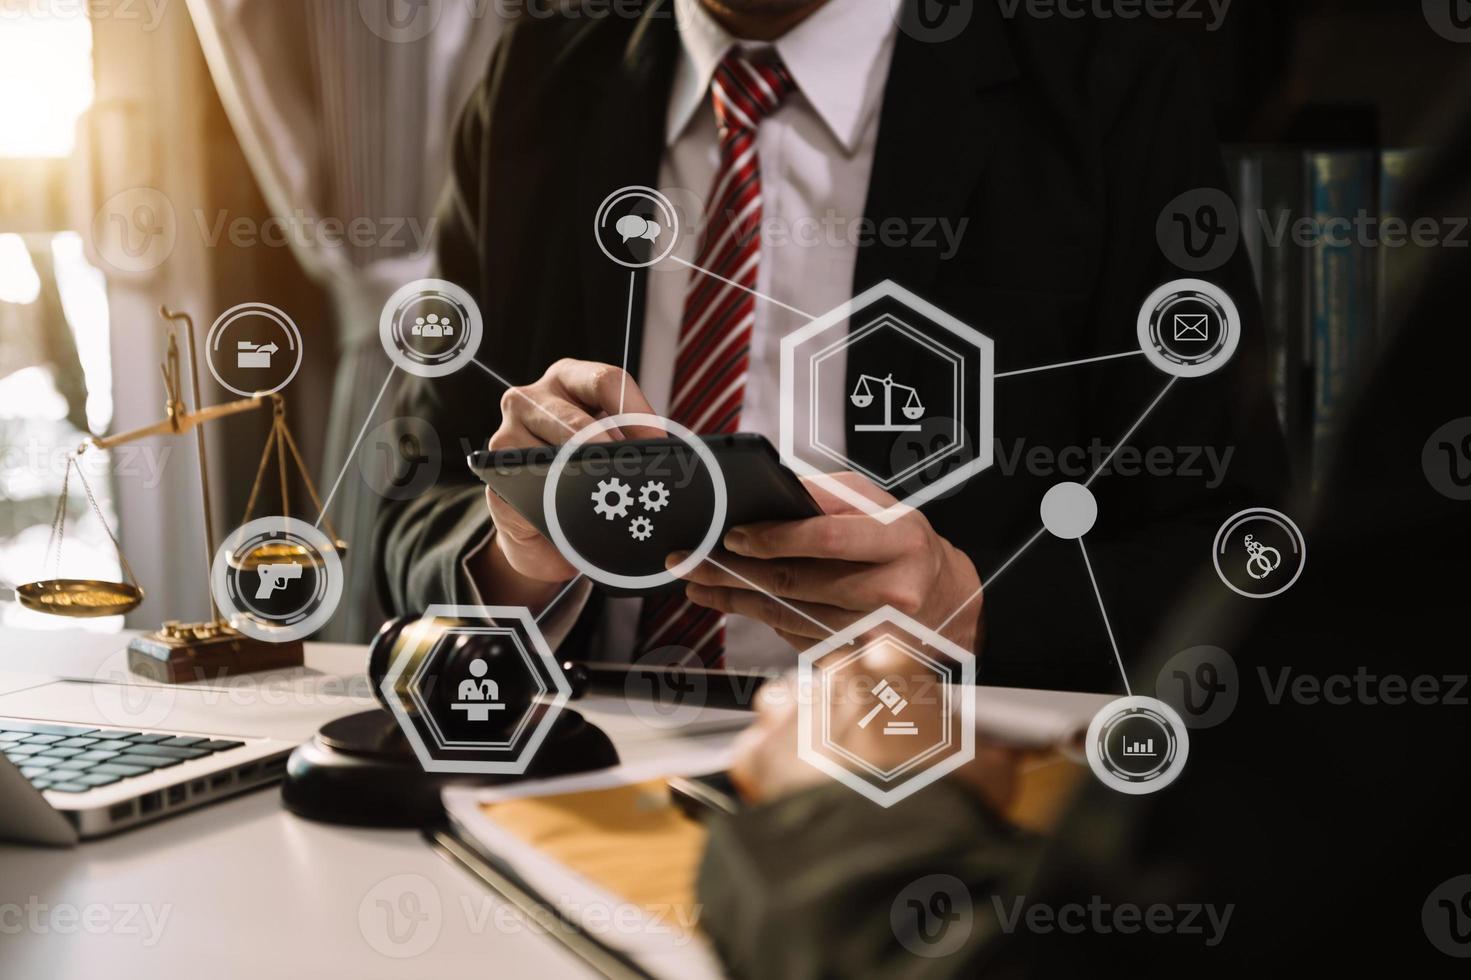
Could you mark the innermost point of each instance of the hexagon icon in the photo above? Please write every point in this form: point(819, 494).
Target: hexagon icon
point(899, 366)
point(886, 734)
point(508, 746)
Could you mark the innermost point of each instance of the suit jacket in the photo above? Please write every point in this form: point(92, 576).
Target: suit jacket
point(1057, 142)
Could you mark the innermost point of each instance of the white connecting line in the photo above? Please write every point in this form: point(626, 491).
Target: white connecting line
point(1033, 539)
point(731, 282)
point(526, 398)
point(1132, 429)
point(367, 420)
point(1068, 364)
point(1104, 612)
point(627, 338)
point(774, 598)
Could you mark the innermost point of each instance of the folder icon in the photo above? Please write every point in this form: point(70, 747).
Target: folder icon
point(1191, 326)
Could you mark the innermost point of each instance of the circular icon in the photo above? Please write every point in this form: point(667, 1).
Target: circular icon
point(933, 916)
point(636, 227)
point(1259, 553)
point(400, 459)
point(1447, 19)
point(661, 692)
point(1137, 745)
point(1069, 510)
point(1199, 230)
point(934, 440)
point(277, 579)
point(123, 700)
point(253, 349)
point(1446, 917)
point(1189, 328)
point(612, 502)
point(401, 21)
point(932, 21)
point(1201, 685)
point(401, 916)
point(135, 230)
point(1446, 459)
point(430, 328)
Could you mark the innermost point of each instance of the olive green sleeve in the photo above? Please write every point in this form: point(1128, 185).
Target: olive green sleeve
point(827, 883)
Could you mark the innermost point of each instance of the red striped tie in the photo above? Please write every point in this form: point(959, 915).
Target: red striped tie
point(715, 334)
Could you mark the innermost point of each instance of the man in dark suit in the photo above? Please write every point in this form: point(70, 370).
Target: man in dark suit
point(1049, 147)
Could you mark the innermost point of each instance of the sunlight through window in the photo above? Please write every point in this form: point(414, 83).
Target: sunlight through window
point(46, 75)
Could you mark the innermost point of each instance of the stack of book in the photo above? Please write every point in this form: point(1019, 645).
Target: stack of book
point(1330, 244)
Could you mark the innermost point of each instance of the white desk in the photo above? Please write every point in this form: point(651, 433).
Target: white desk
point(244, 889)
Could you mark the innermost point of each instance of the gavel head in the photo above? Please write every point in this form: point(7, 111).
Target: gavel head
point(475, 681)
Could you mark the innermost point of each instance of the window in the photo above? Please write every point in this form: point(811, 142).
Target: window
point(55, 369)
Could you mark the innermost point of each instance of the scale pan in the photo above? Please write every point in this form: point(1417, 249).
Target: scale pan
point(280, 552)
point(79, 598)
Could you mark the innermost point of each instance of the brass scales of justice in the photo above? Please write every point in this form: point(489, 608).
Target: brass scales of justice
point(177, 651)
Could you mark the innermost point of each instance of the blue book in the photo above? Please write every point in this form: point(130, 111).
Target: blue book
point(1399, 256)
point(1341, 193)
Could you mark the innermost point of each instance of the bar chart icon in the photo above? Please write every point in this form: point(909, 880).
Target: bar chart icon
point(1139, 748)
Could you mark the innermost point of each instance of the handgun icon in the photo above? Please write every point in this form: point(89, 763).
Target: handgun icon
point(273, 578)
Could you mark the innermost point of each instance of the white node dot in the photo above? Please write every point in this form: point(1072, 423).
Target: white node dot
point(1069, 510)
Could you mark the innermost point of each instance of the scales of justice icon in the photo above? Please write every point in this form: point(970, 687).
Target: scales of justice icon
point(862, 397)
point(185, 651)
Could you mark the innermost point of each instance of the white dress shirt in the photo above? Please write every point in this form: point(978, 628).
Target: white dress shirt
point(816, 151)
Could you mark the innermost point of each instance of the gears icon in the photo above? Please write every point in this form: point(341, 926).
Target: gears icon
point(653, 496)
point(612, 499)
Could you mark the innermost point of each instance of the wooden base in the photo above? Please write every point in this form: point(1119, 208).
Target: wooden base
point(178, 654)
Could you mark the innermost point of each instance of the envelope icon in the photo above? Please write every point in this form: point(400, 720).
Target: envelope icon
point(1191, 326)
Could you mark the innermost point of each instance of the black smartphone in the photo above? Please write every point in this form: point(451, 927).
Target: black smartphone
point(624, 506)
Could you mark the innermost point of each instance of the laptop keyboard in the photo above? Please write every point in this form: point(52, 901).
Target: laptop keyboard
point(75, 758)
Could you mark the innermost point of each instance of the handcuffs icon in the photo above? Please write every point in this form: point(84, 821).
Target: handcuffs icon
point(1257, 558)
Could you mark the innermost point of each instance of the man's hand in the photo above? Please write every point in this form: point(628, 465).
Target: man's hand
point(838, 568)
point(767, 767)
point(570, 396)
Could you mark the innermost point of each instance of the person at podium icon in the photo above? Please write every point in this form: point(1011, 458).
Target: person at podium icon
point(478, 694)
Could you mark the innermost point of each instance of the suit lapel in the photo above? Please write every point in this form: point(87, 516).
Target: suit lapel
point(941, 118)
point(625, 148)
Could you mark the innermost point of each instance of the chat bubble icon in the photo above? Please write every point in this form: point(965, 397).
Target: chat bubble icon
point(633, 226)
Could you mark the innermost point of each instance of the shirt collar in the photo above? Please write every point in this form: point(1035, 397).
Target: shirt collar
point(830, 55)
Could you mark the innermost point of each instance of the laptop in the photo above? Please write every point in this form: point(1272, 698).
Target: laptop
point(80, 760)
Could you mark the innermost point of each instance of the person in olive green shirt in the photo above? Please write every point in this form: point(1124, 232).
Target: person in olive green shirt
point(1313, 827)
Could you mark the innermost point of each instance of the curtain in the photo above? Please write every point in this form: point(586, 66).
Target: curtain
point(344, 109)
